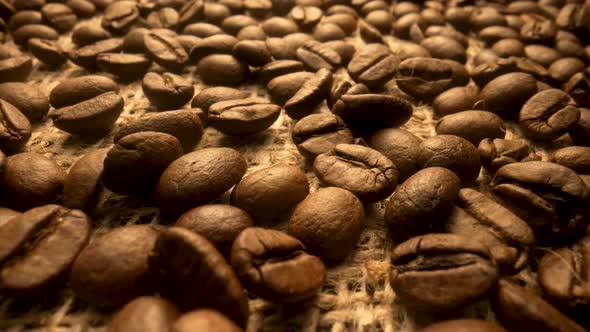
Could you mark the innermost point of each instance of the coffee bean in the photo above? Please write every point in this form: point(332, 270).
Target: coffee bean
point(16, 69)
point(185, 125)
point(134, 164)
point(241, 117)
point(132, 317)
point(499, 152)
point(344, 49)
point(455, 100)
point(306, 17)
point(369, 34)
point(373, 65)
point(119, 16)
point(15, 128)
point(484, 73)
point(575, 157)
point(495, 33)
point(483, 17)
point(216, 12)
point(420, 202)
point(27, 98)
point(253, 52)
point(202, 30)
point(548, 115)
point(550, 197)
point(538, 30)
point(94, 116)
point(541, 54)
point(277, 68)
point(30, 179)
point(345, 21)
point(102, 278)
point(126, 66)
point(578, 87)
point(441, 272)
point(209, 96)
point(59, 16)
point(563, 69)
point(86, 34)
point(507, 93)
point(22, 35)
point(342, 87)
point(163, 18)
point(218, 223)
point(329, 223)
point(311, 94)
point(580, 131)
point(205, 319)
point(82, 184)
point(508, 47)
point(279, 26)
point(47, 51)
point(197, 178)
point(463, 324)
point(472, 126)
point(222, 69)
point(401, 26)
point(366, 113)
point(426, 78)
point(184, 261)
point(443, 47)
point(447, 31)
point(24, 17)
point(235, 23)
point(365, 172)
point(165, 51)
point(38, 248)
point(190, 12)
point(400, 146)
point(86, 56)
point(518, 308)
point(82, 8)
point(282, 88)
point(270, 192)
point(320, 133)
point(217, 44)
point(78, 89)
point(286, 48)
point(316, 56)
point(253, 32)
point(258, 8)
point(167, 91)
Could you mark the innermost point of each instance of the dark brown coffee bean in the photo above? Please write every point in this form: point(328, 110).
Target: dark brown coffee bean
point(30, 179)
point(209, 96)
point(316, 56)
point(463, 325)
point(282, 88)
point(94, 116)
point(326, 31)
point(365, 172)
point(28, 4)
point(165, 51)
point(222, 69)
point(320, 133)
point(126, 66)
point(538, 30)
point(306, 17)
point(286, 47)
point(369, 34)
point(421, 202)
point(133, 317)
point(343, 87)
point(217, 44)
point(16, 69)
point(180, 258)
point(253, 32)
point(86, 56)
point(575, 157)
point(472, 126)
point(447, 31)
point(119, 16)
point(441, 272)
point(82, 8)
point(59, 16)
point(197, 178)
point(86, 34)
point(483, 17)
point(22, 35)
point(82, 184)
point(275, 266)
point(400, 146)
point(311, 94)
point(580, 131)
point(253, 52)
point(241, 117)
point(373, 65)
point(459, 17)
point(401, 26)
point(509, 238)
point(329, 223)
point(24, 17)
point(445, 48)
point(165, 17)
point(493, 34)
point(279, 26)
point(519, 308)
point(167, 91)
point(486, 72)
point(205, 319)
point(27, 98)
point(218, 223)
point(115, 280)
point(541, 54)
point(455, 100)
point(191, 11)
point(499, 152)
point(548, 115)
point(38, 248)
point(426, 78)
point(508, 47)
point(15, 128)
point(277, 68)
point(563, 69)
point(507, 93)
point(78, 89)
point(47, 51)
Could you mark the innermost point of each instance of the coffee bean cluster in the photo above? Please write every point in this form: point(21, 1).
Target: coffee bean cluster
point(473, 210)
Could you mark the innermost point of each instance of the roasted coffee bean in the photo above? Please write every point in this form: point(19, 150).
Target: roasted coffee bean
point(253, 32)
point(329, 223)
point(102, 278)
point(441, 272)
point(217, 44)
point(187, 42)
point(191, 11)
point(580, 131)
point(563, 69)
point(47, 51)
point(325, 31)
point(499, 152)
point(82, 185)
point(145, 313)
point(365, 172)
point(373, 65)
point(24, 17)
point(82, 8)
point(508, 47)
point(508, 237)
point(538, 30)
point(183, 261)
point(202, 30)
point(463, 325)
point(166, 18)
point(316, 56)
point(548, 115)
point(306, 17)
point(16, 69)
point(343, 87)
point(452, 152)
point(575, 157)
point(311, 94)
point(198, 178)
point(493, 34)
point(38, 248)
point(443, 47)
point(320, 133)
point(369, 34)
point(401, 26)
point(126, 66)
point(29, 180)
point(119, 16)
point(282, 88)
point(215, 12)
point(550, 197)
point(86, 56)
point(235, 23)
point(59, 16)
point(286, 48)
point(455, 100)
point(483, 17)
point(165, 51)
point(366, 113)
point(241, 117)
point(344, 49)
point(275, 266)
point(253, 52)
point(578, 87)
point(400, 146)
point(270, 192)
point(27, 98)
point(484, 73)
point(15, 128)
point(22, 35)
point(134, 164)
point(205, 319)
point(218, 223)
point(447, 31)
point(425, 78)
point(167, 91)
point(279, 26)
point(421, 202)
point(541, 54)
point(277, 68)
point(78, 89)
point(347, 21)
point(209, 96)
point(507, 93)
point(185, 125)
point(86, 34)
point(222, 69)
point(472, 126)
point(95, 116)
point(518, 308)
point(28, 4)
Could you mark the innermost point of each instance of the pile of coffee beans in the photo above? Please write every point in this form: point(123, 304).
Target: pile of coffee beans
point(491, 207)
